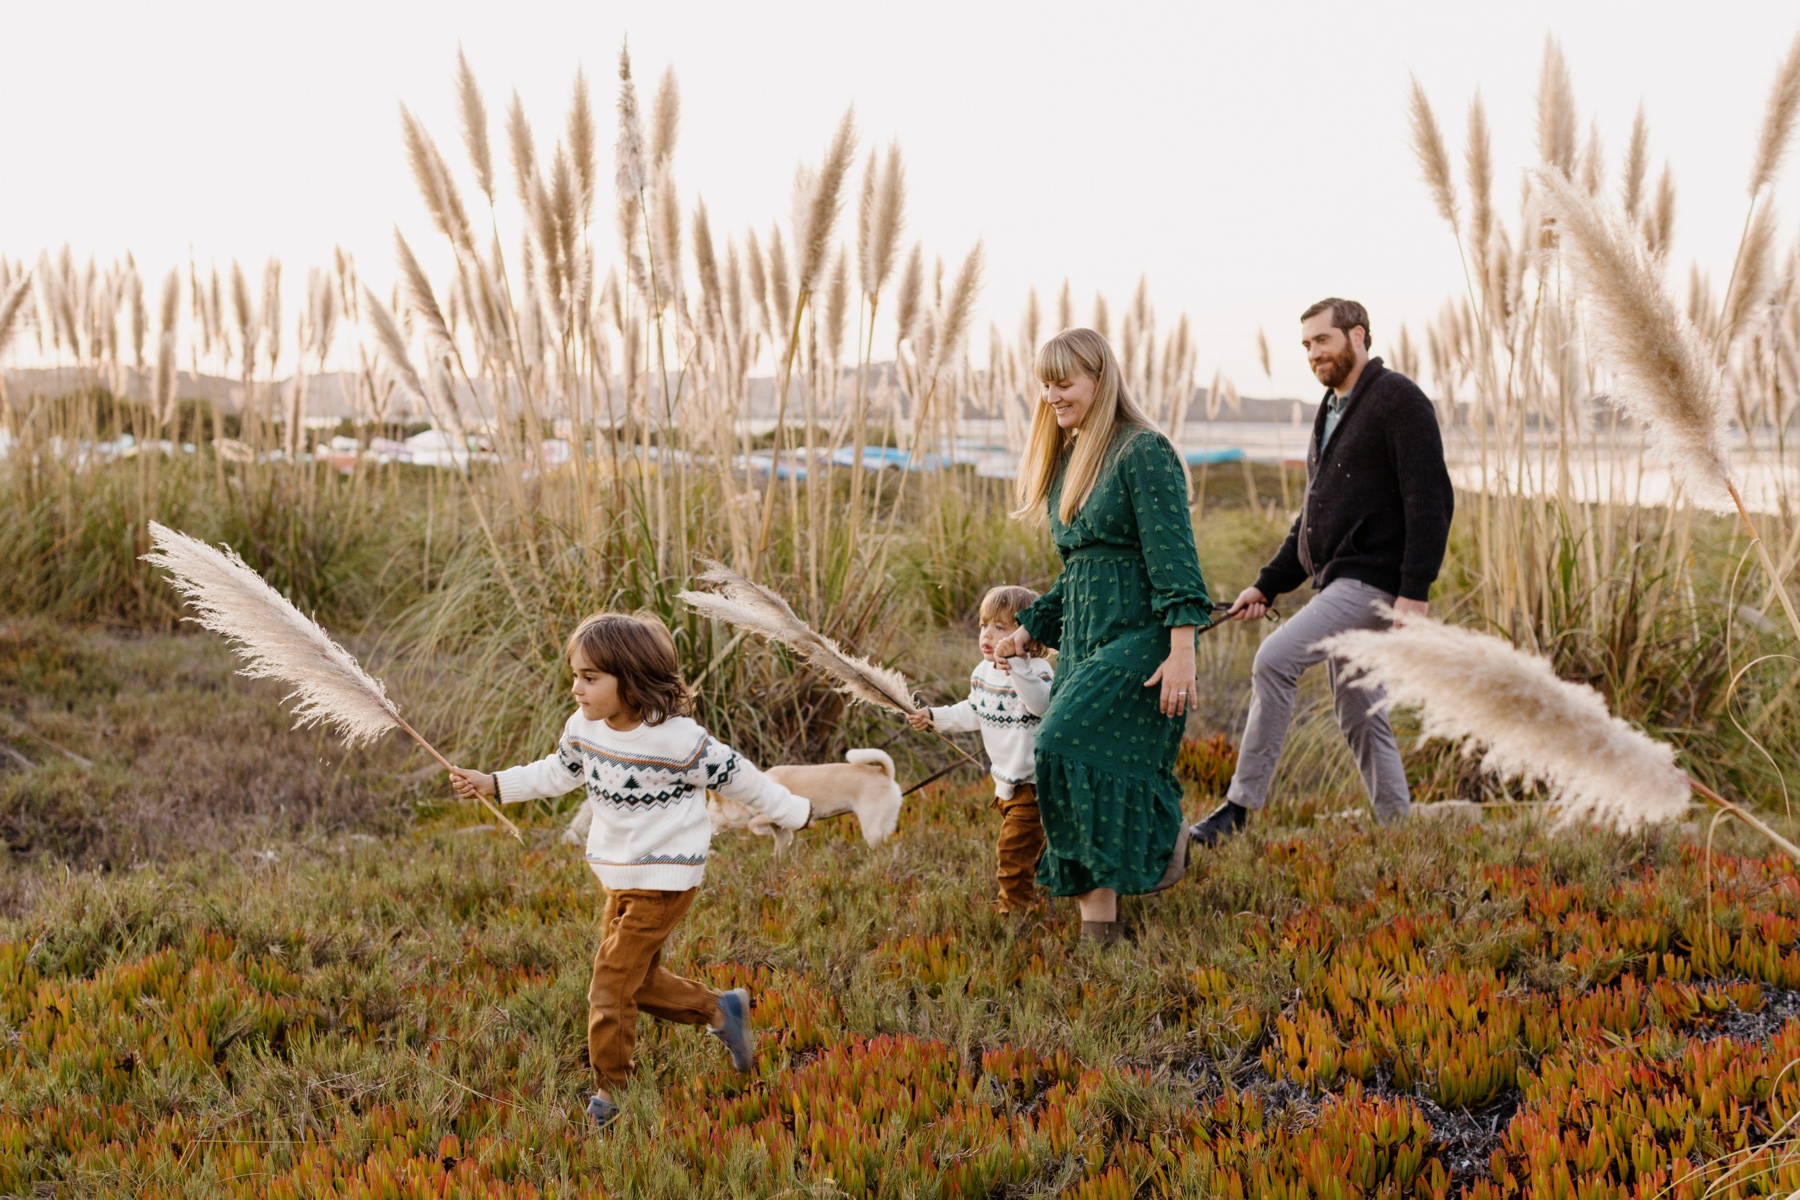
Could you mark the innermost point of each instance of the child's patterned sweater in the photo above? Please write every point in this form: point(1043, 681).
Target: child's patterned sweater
point(1005, 707)
point(648, 790)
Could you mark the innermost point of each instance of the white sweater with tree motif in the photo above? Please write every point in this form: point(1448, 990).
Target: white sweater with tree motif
point(648, 789)
point(1006, 707)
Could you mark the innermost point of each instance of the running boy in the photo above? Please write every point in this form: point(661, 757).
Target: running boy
point(1006, 698)
point(647, 766)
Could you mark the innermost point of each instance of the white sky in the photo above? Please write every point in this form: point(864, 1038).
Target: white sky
point(1247, 158)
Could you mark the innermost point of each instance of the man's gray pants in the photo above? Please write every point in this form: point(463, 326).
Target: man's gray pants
point(1342, 604)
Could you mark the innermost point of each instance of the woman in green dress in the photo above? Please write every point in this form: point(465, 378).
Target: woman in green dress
point(1123, 616)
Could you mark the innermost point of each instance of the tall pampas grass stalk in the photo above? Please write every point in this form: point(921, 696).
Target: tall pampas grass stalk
point(277, 641)
point(1665, 376)
point(1524, 722)
point(748, 605)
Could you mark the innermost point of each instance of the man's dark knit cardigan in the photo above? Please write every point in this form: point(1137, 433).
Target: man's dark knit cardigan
point(1378, 500)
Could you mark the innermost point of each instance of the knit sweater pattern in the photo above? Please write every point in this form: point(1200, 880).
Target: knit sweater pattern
point(648, 786)
point(1005, 707)
point(1378, 498)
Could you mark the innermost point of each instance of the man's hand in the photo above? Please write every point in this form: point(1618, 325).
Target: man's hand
point(1249, 606)
point(1404, 608)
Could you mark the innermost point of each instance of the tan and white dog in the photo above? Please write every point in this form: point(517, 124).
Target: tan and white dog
point(862, 785)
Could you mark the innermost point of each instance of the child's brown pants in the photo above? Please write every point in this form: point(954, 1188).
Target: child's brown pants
point(628, 976)
point(1021, 845)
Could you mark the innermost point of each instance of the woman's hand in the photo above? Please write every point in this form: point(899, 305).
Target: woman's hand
point(920, 719)
point(1011, 646)
point(1176, 674)
point(471, 785)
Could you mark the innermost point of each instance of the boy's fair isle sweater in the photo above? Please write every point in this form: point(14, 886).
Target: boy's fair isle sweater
point(649, 784)
point(1006, 708)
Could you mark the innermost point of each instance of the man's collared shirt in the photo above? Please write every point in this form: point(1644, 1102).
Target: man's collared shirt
point(1334, 412)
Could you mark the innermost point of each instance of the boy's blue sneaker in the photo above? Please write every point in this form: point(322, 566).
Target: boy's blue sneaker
point(734, 1006)
point(603, 1111)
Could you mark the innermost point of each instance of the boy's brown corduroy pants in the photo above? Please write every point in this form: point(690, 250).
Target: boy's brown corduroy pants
point(628, 976)
point(1021, 845)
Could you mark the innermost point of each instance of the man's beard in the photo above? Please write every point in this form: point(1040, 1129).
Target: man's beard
point(1334, 370)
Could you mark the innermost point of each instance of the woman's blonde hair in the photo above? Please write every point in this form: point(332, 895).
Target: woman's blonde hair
point(1070, 353)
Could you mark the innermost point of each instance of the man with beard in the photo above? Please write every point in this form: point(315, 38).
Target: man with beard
point(1371, 532)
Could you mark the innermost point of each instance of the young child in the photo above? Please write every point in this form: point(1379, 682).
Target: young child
point(1005, 706)
point(646, 765)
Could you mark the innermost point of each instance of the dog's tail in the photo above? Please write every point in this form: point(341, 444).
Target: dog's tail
point(872, 758)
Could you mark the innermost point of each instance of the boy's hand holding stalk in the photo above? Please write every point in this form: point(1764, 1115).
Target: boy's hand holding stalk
point(473, 786)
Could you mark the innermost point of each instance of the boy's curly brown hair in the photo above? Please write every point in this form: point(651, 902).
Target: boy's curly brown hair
point(638, 651)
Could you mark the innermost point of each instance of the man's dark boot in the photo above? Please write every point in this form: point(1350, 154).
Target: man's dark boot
point(1226, 820)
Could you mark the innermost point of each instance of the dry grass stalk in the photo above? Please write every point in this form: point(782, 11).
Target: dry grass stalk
point(1665, 375)
point(271, 312)
point(475, 125)
point(813, 236)
point(1778, 121)
point(1752, 279)
point(706, 267)
point(1556, 111)
point(584, 142)
point(139, 313)
point(166, 350)
point(422, 301)
point(958, 308)
point(1478, 163)
point(781, 289)
point(629, 151)
point(912, 286)
point(391, 343)
point(1434, 161)
point(523, 153)
point(1524, 722)
point(1659, 226)
point(432, 175)
point(245, 312)
point(11, 305)
point(277, 641)
point(837, 313)
point(665, 118)
point(890, 219)
point(1637, 163)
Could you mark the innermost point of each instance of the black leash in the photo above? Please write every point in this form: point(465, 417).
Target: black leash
point(933, 778)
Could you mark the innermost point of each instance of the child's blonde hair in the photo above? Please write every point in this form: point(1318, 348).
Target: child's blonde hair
point(638, 651)
point(1007, 601)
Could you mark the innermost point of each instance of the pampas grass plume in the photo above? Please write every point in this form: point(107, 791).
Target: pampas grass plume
point(475, 125)
point(275, 640)
point(1434, 160)
point(1663, 372)
point(741, 602)
point(1778, 121)
point(1511, 709)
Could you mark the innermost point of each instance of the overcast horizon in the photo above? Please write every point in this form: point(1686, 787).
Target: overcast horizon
point(1245, 163)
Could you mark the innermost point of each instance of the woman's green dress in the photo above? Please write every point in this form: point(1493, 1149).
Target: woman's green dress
point(1106, 782)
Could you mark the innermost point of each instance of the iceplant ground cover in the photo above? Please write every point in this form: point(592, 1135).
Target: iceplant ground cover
point(278, 975)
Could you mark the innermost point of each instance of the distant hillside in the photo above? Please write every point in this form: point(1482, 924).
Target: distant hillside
point(330, 397)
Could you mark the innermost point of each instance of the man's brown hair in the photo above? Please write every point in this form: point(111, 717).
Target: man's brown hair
point(638, 651)
point(1345, 315)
